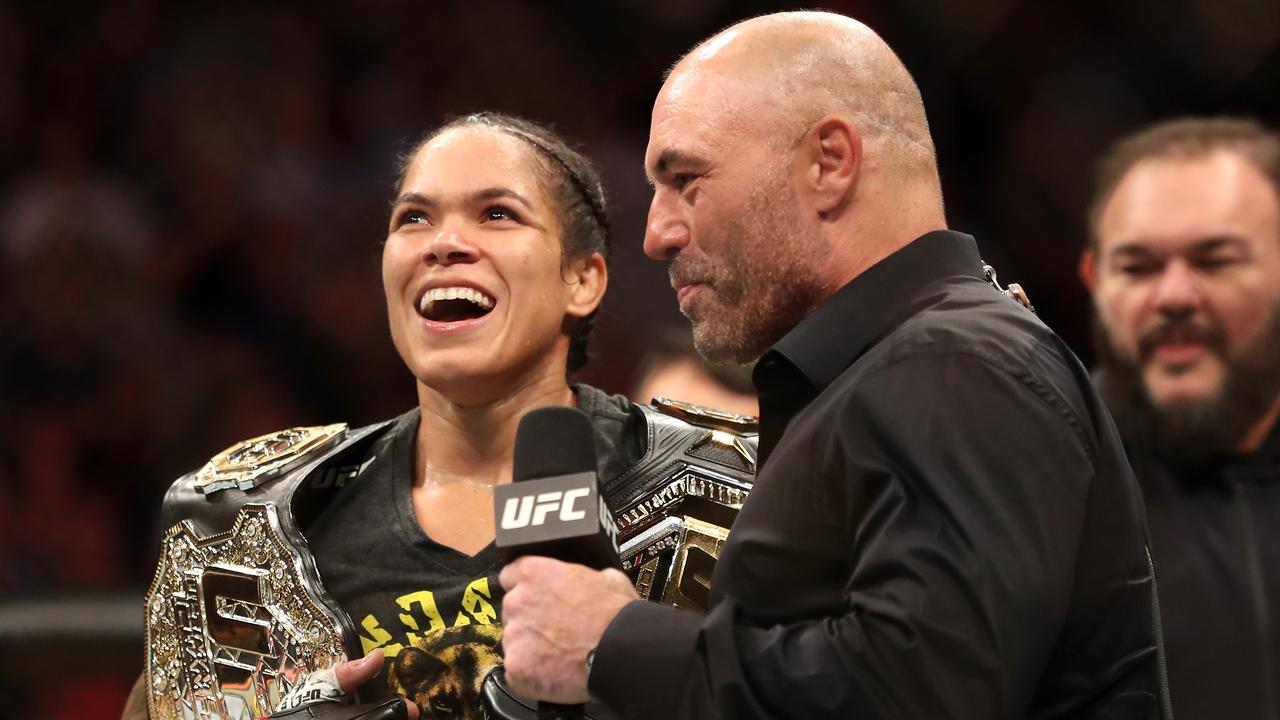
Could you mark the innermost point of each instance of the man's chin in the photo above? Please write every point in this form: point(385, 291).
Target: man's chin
point(719, 345)
point(718, 352)
point(1183, 388)
point(1198, 422)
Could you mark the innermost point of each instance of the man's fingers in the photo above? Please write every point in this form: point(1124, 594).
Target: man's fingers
point(509, 574)
point(619, 581)
point(351, 675)
point(516, 570)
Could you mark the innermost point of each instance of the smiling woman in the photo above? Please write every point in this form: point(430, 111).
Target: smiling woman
point(496, 246)
point(494, 265)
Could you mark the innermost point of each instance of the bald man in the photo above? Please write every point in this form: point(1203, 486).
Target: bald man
point(943, 523)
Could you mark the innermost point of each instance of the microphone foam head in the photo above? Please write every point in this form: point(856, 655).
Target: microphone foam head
point(553, 441)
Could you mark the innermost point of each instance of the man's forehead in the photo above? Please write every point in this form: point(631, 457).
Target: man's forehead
point(1220, 175)
point(681, 116)
point(1187, 189)
point(698, 111)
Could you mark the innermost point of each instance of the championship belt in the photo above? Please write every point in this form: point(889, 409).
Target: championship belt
point(679, 502)
point(236, 614)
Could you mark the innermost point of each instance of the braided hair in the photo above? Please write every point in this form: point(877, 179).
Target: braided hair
point(574, 186)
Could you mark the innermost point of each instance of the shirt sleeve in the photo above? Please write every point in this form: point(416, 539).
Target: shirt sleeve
point(965, 485)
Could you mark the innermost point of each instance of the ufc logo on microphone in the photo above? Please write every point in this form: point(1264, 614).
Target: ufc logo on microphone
point(531, 511)
point(551, 509)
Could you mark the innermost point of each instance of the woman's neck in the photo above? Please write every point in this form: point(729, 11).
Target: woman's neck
point(473, 443)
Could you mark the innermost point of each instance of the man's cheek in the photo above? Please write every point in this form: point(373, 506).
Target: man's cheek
point(1121, 336)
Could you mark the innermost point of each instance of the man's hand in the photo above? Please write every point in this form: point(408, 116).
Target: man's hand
point(553, 613)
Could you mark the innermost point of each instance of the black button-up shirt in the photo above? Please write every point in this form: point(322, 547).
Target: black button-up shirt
point(943, 526)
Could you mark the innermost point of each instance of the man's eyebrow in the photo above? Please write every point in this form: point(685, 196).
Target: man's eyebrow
point(1218, 242)
point(666, 159)
point(1139, 250)
point(1131, 249)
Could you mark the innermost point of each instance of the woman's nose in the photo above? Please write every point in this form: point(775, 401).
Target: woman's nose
point(448, 247)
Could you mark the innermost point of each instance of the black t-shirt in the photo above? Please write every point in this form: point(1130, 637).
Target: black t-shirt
point(431, 609)
point(434, 611)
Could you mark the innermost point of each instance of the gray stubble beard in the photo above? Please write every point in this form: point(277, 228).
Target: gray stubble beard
point(765, 297)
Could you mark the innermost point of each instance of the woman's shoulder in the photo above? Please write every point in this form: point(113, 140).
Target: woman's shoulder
point(600, 405)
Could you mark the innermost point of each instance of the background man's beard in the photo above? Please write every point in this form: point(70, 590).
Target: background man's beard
point(1188, 433)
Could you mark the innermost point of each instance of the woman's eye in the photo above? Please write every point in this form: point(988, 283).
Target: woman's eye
point(413, 217)
point(498, 212)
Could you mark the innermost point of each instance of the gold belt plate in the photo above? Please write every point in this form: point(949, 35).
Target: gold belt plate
point(251, 462)
point(674, 537)
point(233, 621)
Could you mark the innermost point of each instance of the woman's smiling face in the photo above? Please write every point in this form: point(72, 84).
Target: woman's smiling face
point(478, 294)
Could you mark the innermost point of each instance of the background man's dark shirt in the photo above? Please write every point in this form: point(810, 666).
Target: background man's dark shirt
point(1215, 540)
point(944, 526)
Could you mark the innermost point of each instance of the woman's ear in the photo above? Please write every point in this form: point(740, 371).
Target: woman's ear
point(587, 278)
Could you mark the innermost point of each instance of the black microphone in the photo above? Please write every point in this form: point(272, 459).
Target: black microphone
point(554, 506)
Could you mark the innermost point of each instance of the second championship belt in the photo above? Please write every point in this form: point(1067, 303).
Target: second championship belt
point(701, 463)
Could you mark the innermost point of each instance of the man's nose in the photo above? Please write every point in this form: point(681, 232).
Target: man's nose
point(448, 247)
point(1178, 291)
point(666, 233)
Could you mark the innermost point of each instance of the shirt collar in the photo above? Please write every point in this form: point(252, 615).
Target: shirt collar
point(839, 330)
point(1259, 465)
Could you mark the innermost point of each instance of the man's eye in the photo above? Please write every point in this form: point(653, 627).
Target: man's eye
point(1137, 270)
point(1214, 263)
point(682, 180)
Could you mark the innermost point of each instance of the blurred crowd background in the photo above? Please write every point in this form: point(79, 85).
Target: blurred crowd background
point(192, 197)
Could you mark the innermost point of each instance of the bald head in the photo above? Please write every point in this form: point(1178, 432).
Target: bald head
point(788, 154)
point(778, 74)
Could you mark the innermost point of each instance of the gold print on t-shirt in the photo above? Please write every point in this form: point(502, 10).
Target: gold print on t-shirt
point(377, 638)
point(421, 617)
point(444, 673)
point(424, 602)
point(476, 602)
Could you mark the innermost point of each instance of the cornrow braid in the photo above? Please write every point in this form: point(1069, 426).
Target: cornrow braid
point(594, 199)
point(573, 184)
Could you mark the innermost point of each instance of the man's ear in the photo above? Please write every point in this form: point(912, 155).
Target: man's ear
point(1088, 269)
point(587, 278)
point(830, 157)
